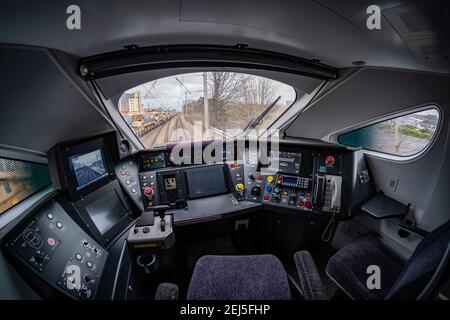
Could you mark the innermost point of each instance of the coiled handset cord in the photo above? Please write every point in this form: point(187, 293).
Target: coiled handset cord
point(328, 233)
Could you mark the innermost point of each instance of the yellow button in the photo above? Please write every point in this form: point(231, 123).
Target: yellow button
point(237, 165)
point(269, 179)
point(239, 187)
point(285, 193)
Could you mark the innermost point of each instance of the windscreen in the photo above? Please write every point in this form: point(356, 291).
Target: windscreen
point(203, 106)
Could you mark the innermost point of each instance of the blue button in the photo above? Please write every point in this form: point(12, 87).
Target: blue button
point(132, 179)
point(268, 188)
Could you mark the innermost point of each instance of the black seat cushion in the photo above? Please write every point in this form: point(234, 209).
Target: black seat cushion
point(421, 266)
point(348, 268)
point(258, 277)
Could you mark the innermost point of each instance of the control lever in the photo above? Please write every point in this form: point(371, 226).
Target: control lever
point(161, 212)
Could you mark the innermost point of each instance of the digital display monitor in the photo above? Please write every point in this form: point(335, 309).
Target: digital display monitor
point(106, 212)
point(206, 181)
point(88, 167)
point(290, 180)
point(153, 161)
point(285, 162)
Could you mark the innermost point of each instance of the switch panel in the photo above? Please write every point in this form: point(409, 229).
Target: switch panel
point(58, 251)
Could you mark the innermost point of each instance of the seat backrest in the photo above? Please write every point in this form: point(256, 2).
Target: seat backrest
point(421, 266)
point(258, 277)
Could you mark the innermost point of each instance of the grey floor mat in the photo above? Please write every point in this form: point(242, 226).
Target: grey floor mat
point(321, 259)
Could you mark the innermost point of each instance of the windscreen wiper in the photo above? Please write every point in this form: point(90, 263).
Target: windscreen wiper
point(252, 124)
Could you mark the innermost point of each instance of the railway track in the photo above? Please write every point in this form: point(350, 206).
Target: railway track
point(175, 129)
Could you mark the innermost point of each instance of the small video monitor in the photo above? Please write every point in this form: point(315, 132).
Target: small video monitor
point(88, 167)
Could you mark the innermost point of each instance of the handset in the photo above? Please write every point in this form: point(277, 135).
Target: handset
point(336, 183)
point(332, 197)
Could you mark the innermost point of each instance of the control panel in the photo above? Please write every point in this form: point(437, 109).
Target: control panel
point(280, 189)
point(149, 189)
point(127, 172)
point(236, 172)
point(59, 251)
point(308, 181)
point(308, 178)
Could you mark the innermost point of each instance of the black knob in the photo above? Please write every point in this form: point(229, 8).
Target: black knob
point(251, 176)
point(256, 191)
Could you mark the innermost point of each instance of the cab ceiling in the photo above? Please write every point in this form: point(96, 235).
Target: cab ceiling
point(332, 31)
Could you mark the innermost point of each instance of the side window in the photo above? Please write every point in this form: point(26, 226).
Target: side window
point(19, 180)
point(403, 136)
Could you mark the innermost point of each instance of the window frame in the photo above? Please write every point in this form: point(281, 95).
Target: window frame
point(397, 114)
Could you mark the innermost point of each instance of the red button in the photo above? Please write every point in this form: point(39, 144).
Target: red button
point(308, 204)
point(128, 173)
point(266, 197)
point(232, 165)
point(330, 160)
point(301, 203)
point(51, 242)
point(148, 191)
point(260, 178)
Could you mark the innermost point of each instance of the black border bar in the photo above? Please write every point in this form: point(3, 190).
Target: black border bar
point(133, 58)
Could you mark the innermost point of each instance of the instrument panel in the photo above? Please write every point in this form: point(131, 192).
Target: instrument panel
point(67, 240)
point(310, 178)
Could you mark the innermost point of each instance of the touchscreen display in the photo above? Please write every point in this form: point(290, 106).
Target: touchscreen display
point(288, 162)
point(206, 181)
point(88, 167)
point(106, 212)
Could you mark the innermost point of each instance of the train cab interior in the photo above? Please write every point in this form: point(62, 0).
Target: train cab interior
point(205, 150)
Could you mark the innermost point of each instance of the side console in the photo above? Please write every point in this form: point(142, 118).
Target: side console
point(59, 252)
point(311, 181)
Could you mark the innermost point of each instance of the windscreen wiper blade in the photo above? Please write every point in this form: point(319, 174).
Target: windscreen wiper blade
point(252, 124)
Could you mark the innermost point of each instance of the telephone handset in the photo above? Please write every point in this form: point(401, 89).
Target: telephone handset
point(327, 193)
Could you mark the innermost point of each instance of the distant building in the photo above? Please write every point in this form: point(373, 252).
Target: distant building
point(134, 103)
point(130, 102)
point(123, 103)
point(412, 122)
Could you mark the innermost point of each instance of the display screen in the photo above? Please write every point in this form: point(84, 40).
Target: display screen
point(289, 180)
point(285, 162)
point(153, 161)
point(88, 167)
point(206, 181)
point(106, 212)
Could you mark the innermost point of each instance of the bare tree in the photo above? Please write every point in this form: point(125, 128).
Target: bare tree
point(227, 89)
point(259, 91)
point(238, 97)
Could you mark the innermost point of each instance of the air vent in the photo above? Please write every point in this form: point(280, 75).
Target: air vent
point(412, 22)
point(423, 28)
point(420, 21)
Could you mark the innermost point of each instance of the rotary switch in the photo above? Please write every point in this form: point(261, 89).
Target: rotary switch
point(256, 191)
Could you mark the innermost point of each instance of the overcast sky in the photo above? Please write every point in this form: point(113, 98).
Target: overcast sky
point(168, 93)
